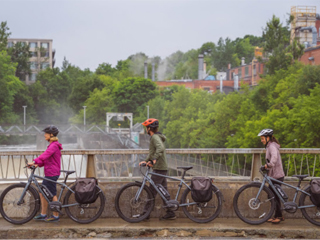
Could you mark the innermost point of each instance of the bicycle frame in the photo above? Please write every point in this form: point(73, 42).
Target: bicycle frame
point(33, 178)
point(147, 178)
point(269, 180)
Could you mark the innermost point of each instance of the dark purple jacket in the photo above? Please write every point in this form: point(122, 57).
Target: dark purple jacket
point(50, 159)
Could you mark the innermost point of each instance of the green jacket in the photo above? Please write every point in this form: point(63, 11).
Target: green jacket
point(157, 151)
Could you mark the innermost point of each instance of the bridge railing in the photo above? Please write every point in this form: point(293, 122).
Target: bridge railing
point(122, 164)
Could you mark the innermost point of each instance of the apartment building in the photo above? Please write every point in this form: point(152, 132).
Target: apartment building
point(42, 55)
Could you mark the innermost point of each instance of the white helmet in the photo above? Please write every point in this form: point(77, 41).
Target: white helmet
point(266, 132)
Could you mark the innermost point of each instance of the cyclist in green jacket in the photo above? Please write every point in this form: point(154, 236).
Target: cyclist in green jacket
point(157, 158)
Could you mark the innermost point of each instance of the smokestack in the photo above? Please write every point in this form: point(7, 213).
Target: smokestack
point(243, 61)
point(236, 82)
point(145, 69)
point(200, 67)
point(153, 78)
point(221, 84)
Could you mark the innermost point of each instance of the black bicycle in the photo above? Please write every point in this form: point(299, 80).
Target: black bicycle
point(20, 202)
point(255, 203)
point(135, 201)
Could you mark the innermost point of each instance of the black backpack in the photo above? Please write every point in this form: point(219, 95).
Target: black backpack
point(315, 192)
point(201, 189)
point(86, 190)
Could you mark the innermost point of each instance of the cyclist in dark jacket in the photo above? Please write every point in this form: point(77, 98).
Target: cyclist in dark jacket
point(157, 158)
point(274, 165)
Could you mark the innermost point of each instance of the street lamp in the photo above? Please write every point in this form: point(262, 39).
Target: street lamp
point(84, 115)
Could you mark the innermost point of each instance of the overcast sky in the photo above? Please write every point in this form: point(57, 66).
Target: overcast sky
point(90, 32)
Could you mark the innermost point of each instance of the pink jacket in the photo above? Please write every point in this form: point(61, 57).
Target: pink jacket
point(51, 159)
point(275, 164)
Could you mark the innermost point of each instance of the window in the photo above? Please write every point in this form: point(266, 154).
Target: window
point(33, 77)
point(33, 65)
point(206, 89)
point(10, 44)
point(246, 71)
point(254, 70)
point(45, 65)
point(34, 54)
point(45, 45)
point(240, 73)
point(44, 54)
point(33, 45)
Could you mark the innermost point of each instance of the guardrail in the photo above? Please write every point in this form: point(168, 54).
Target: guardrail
point(120, 164)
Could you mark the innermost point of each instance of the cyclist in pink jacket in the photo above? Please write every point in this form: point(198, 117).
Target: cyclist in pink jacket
point(51, 161)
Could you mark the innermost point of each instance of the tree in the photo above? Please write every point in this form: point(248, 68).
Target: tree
point(9, 86)
point(132, 93)
point(4, 34)
point(20, 54)
point(105, 69)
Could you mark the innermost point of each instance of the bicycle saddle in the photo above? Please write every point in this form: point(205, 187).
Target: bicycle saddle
point(67, 172)
point(301, 177)
point(185, 168)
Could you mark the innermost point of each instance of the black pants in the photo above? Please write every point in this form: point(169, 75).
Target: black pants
point(159, 180)
point(278, 212)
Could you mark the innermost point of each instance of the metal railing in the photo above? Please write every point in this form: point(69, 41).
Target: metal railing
point(118, 164)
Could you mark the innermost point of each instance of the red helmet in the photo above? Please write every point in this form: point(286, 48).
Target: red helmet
point(151, 122)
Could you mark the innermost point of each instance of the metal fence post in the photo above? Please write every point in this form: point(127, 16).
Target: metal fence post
point(91, 168)
point(255, 166)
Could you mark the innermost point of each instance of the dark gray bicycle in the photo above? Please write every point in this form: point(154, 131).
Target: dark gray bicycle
point(20, 202)
point(135, 201)
point(255, 203)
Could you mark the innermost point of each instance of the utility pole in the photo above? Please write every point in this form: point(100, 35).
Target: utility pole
point(24, 117)
point(84, 116)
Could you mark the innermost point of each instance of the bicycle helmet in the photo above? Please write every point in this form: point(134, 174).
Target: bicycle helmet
point(266, 132)
point(151, 122)
point(51, 130)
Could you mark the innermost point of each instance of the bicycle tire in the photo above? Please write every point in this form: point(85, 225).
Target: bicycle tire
point(247, 204)
point(204, 216)
point(83, 213)
point(131, 214)
point(29, 208)
point(311, 214)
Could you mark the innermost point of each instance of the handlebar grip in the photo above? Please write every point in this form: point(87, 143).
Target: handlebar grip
point(143, 164)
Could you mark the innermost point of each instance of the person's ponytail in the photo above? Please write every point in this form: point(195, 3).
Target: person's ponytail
point(273, 139)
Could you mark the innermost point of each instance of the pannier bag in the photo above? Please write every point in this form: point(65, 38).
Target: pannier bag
point(315, 192)
point(201, 189)
point(86, 190)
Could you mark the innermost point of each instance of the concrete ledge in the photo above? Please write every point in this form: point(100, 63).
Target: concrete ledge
point(154, 228)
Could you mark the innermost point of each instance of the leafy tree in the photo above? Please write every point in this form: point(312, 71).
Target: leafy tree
point(4, 34)
point(20, 54)
point(132, 93)
point(9, 86)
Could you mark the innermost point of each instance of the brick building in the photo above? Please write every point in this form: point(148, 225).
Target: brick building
point(311, 56)
point(249, 73)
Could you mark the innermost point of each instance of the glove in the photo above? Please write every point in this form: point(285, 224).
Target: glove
point(262, 168)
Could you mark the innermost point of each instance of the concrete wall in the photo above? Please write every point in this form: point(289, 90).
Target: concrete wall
point(228, 189)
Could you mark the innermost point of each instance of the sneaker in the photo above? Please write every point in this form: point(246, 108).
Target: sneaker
point(52, 219)
point(169, 216)
point(40, 217)
point(278, 220)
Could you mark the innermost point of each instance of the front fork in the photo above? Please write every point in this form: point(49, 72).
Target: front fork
point(20, 201)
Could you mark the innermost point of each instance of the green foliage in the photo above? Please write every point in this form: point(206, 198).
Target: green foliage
point(20, 54)
point(4, 34)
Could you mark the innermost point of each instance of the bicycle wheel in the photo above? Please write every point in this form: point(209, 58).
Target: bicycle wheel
point(84, 213)
point(130, 210)
point(19, 214)
point(202, 212)
point(312, 214)
point(250, 211)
